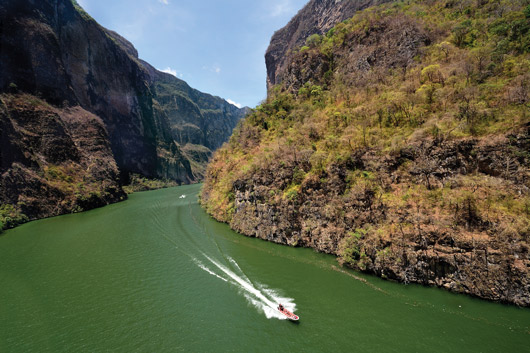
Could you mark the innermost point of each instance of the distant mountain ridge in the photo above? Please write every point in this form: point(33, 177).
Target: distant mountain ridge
point(58, 59)
point(199, 122)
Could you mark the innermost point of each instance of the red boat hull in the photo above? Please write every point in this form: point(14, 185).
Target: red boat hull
point(289, 314)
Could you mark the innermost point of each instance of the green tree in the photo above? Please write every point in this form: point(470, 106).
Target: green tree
point(431, 73)
point(461, 32)
point(313, 40)
point(350, 251)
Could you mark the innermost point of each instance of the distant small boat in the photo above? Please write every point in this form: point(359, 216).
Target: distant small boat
point(182, 196)
point(287, 313)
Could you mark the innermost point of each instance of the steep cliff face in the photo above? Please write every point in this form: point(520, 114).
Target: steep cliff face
point(397, 141)
point(317, 17)
point(200, 123)
point(54, 50)
point(53, 53)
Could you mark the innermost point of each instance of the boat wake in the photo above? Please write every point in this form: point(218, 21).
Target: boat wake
point(209, 271)
point(264, 299)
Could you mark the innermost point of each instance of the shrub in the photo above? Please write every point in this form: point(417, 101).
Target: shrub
point(349, 249)
point(461, 34)
point(313, 40)
point(291, 194)
point(10, 216)
point(316, 93)
point(298, 175)
point(431, 73)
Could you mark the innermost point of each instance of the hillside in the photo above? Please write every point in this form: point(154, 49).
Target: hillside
point(81, 114)
point(317, 17)
point(398, 141)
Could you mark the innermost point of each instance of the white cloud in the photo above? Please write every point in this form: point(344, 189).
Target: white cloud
point(214, 68)
point(234, 103)
point(170, 71)
point(165, 2)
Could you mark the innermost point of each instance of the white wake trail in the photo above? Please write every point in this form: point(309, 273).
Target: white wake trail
point(236, 265)
point(288, 303)
point(263, 299)
point(202, 267)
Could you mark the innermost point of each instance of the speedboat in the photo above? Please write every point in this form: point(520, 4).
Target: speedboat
point(287, 313)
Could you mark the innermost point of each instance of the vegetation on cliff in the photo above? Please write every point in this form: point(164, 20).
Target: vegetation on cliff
point(399, 142)
point(139, 183)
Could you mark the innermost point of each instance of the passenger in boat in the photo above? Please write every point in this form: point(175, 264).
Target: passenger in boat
point(280, 307)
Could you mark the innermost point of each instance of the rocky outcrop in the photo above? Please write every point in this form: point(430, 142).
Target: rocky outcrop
point(317, 17)
point(389, 43)
point(54, 161)
point(465, 250)
point(54, 53)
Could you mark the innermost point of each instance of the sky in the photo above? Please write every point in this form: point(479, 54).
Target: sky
point(216, 46)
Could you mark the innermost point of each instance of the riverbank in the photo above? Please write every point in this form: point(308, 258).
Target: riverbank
point(12, 216)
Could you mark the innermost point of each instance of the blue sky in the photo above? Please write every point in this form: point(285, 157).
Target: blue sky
point(216, 46)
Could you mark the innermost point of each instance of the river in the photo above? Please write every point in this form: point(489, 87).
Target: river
point(156, 274)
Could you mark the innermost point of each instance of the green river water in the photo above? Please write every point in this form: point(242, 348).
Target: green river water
point(156, 274)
